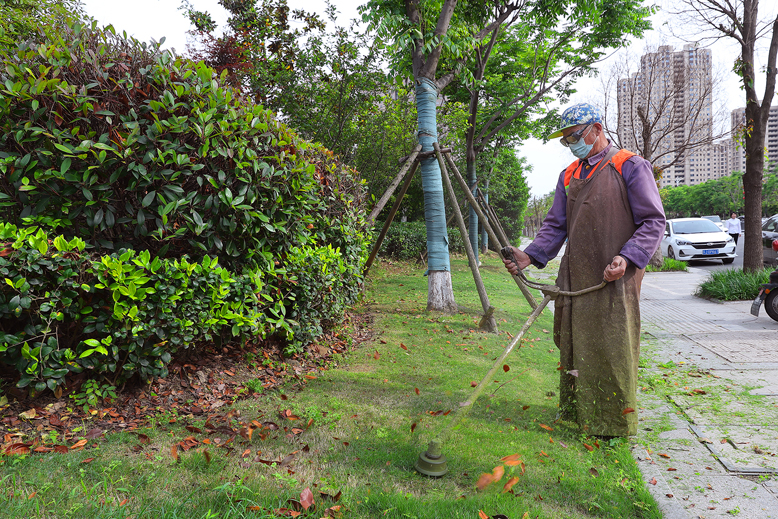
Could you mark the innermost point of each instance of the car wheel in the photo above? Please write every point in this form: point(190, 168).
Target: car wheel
point(727, 261)
point(670, 252)
point(771, 304)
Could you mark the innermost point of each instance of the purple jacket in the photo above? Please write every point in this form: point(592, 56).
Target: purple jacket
point(647, 212)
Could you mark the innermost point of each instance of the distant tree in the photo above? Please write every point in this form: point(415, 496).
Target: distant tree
point(259, 46)
point(537, 209)
point(738, 20)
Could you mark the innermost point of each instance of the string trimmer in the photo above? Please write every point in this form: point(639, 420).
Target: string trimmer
point(432, 462)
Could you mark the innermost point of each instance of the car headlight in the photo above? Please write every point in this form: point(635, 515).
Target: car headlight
point(682, 242)
point(730, 239)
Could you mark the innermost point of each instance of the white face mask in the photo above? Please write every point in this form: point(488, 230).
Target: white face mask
point(580, 149)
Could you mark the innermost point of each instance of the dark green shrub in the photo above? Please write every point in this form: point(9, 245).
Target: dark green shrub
point(733, 284)
point(408, 240)
point(127, 148)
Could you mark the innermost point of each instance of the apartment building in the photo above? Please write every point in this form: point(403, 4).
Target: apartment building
point(672, 91)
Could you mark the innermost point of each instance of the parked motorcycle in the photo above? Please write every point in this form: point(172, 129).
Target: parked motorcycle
point(768, 293)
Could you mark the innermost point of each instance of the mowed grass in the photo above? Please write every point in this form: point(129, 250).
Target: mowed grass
point(358, 428)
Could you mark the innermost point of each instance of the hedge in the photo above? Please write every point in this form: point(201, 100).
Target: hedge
point(134, 155)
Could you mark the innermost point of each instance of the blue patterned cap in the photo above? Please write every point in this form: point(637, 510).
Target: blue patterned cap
point(581, 113)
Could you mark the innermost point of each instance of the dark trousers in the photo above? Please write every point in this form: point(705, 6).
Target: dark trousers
point(735, 237)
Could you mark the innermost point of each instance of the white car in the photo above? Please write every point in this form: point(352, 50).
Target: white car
point(697, 239)
point(717, 220)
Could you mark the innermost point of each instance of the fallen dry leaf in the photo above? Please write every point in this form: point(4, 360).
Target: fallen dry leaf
point(482, 515)
point(664, 455)
point(588, 447)
point(512, 457)
point(509, 485)
point(403, 346)
point(306, 498)
point(653, 481)
point(484, 481)
point(498, 472)
point(506, 368)
point(627, 411)
point(28, 415)
point(546, 427)
point(78, 445)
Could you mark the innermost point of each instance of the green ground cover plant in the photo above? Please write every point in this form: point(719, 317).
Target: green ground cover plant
point(733, 284)
point(347, 440)
point(669, 265)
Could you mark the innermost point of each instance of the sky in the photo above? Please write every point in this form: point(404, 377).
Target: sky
point(154, 19)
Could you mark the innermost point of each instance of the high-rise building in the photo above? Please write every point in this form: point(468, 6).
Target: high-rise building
point(770, 139)
point(671, 95)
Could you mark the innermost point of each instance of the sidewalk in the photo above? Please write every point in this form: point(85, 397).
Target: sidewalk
point(707, 440)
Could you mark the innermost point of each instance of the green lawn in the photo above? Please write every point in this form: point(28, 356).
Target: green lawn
point(357, 429)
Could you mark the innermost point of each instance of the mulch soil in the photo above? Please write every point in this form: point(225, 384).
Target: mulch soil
point(201, 384)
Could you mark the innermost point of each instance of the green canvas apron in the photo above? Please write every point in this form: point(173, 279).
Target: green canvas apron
point(598, 334)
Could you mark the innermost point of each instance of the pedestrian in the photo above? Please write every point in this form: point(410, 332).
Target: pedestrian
point(733, 227)
point(607, 206)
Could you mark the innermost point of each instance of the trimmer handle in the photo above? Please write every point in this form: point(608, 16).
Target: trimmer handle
point(507, 253)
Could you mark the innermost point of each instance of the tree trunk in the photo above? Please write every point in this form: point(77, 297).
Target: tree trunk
point(472, 181)
point(657, 259)
point(752, 189)
point(440, 293)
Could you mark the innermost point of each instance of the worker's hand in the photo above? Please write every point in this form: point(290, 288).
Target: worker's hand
point(521, 258)
point(615, 270)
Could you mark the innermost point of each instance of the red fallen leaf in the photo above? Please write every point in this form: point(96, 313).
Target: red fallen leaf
point(509, 485)
point(310, 377)
point(597, 443)
point(42, 448)
point(376, 355)
point(593, 471)
point(403, 346)
point(446, 413)
point(174, 451)
point(94, 433)
point(512, 457)
point(588, 447)
point(473, 383)
point(417, 390)
point(482, 515)
point(383, 341)
point(78, 445)
point(484, 481)
point(543, 453)
point(254, 508)
point(32, 495)
point(669, 495)
point(228, 372)
point(698, 391)
point(627, 411)
point(524, 408)
point(18, 448)
point(61, 449)
point(671, 469)
point(88, 460)
point(506, 368)
point(124, 502)
point(246, 453)
point(346, 444)
point(413, 427)
point(664, 455)
point(498, 472)
point(523, 468)
point(711, 508)
point(207, 455)
point(653, 481)
point(143, 438)
point(546, 427)
point(306, 498)
point(193, 429)
point(284, 397)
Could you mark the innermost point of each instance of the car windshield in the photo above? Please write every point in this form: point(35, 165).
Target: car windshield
point(695, 227)
point(712, 218)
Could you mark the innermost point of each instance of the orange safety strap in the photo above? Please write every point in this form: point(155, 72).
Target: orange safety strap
point(574, 169)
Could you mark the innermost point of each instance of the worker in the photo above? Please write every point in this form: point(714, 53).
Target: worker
point(607, 206)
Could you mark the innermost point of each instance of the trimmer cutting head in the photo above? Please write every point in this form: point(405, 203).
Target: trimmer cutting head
point(432, 462)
